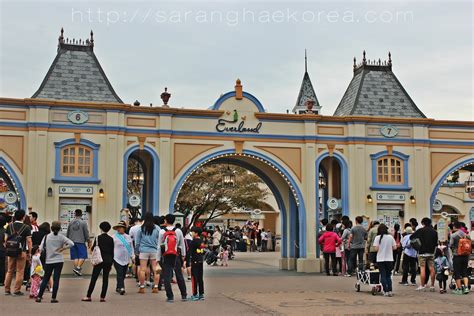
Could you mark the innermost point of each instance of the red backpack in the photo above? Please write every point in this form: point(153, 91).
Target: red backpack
point(170, 242)
point(464, 246)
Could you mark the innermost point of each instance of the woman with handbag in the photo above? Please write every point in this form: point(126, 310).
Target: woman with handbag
point(123, 253)
point(54, 244)
point(102, 259)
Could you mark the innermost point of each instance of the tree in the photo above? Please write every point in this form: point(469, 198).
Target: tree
point(204, 193)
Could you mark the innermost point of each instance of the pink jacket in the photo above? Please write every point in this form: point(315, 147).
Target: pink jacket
point(329, 241)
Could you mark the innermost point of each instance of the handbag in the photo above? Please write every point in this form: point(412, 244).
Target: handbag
point(43, 252)
point(96, 257)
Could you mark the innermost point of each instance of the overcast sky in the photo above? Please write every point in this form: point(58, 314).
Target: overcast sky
point(197, 49)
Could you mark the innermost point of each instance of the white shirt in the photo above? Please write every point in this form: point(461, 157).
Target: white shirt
point(121, 255)
point(216, 238)
point(385, 252)
point(263, 235)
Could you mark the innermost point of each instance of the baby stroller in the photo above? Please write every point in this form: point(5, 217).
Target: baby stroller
point(368, 277)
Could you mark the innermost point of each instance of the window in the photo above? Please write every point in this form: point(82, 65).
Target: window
point(389, 171)
point(76, 161)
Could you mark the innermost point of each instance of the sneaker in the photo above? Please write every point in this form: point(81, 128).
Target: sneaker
point(148, 283)
point(194, 298)
point(390, 294)
point(77, 271)
point(141, 290)
point(403, 283)
point(201, 297)
point(122, 291)
point(18, 293)
point(421, 288)
point(184, 298)
point(53, 300)
point(432, 289)
point(154, 290)
point(413, 284)
point(385, 294)
point(348, 275)
point(465, 291)
point(169, 300)
point(38, 300)
point(8, 293)
point(442, 291)
point(457, 292)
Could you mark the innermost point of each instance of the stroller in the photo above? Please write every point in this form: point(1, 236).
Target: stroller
point(210, 257)
point(368, 277)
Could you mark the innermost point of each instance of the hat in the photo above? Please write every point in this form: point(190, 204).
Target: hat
point(120, 224)
point(409, 230)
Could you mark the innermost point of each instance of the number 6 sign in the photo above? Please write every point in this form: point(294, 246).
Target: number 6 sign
point(78, 117)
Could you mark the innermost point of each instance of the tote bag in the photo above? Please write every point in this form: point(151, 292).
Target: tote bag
point(96, 257)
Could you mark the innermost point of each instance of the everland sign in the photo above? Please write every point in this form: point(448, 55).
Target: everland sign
point(234, 126)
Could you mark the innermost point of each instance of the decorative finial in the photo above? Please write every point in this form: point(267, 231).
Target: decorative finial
point(380, 62)
point(364, 61)
point(239, 94)
point(165, 96)
point(136, 103)
point(61, 37)
point(305, 61)
point(92, 39)
point(355, 64)
point(389, 58)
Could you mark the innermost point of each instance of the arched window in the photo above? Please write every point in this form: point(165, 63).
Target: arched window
point(389, 170)
point(76, 160)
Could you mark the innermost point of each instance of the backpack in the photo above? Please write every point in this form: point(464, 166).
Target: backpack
point(464, 246)
point(170, 243)
point(13, 247)
point(415, 244)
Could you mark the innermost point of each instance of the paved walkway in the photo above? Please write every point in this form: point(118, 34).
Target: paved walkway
point(251, 285)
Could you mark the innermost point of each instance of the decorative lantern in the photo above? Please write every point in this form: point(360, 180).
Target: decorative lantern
point(469, 185)
point(228, 178)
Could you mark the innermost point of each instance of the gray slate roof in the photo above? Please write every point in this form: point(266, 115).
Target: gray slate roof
point(306, 93)
point(376, 91)
point(76, 75)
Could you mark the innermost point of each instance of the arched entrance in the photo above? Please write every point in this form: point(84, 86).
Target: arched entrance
point(12, 196)
point(281, 184)
point(140, 178)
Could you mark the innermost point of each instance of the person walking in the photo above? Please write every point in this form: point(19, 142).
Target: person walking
point(18, 250)
point(78, 232)
point(357, 244)
point(460, 258)
point(123, 254)
point(385, 244)
point(329, 240)
point(106, 246)
point(147, 243)
point(172, 245)
point(196, 250)
point(54, 244)
point(428, 238)
point(409, 258)
point(397, 253)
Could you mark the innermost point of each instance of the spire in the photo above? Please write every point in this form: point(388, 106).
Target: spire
point(305, 61)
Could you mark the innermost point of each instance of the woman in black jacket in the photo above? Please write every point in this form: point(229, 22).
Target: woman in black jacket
point(106, 246)
point(37, 237)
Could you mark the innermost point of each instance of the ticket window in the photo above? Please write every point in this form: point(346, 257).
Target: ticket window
point(389, 214)
point(67, 208)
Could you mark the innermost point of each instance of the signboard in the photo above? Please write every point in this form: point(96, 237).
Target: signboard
point(134, 200)
point(224, 125)
point(388, 217)
point(10, 197)
point(75, 190)
point(389, 131)
point(67, 207)
point(333, 203)
point(437, 205)
point(390, 197)
point(442, 230)
point(257, 217)
point(78, 117)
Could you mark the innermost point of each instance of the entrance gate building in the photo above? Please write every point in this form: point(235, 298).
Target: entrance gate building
point(377, 156)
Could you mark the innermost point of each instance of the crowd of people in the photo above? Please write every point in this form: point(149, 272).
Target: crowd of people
point(349, 247)
point(150, 248)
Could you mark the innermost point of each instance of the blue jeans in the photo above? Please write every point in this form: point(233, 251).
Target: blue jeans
point(385, 268)
point(121, 273)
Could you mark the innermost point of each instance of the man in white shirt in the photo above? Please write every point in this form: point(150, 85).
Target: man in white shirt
point(133, 232)
point(264, 236)
point(172, 258)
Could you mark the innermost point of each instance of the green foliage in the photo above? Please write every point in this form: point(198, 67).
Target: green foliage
point(204, 192)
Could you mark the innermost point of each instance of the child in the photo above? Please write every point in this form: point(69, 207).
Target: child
point(441, 267)
point(36, 272)
point(196, 249)
point(225, 256)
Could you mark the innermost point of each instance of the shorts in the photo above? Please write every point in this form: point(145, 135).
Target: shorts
point(425, 260)
point(460, 264)
point(148, 256)
point(78, 251)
